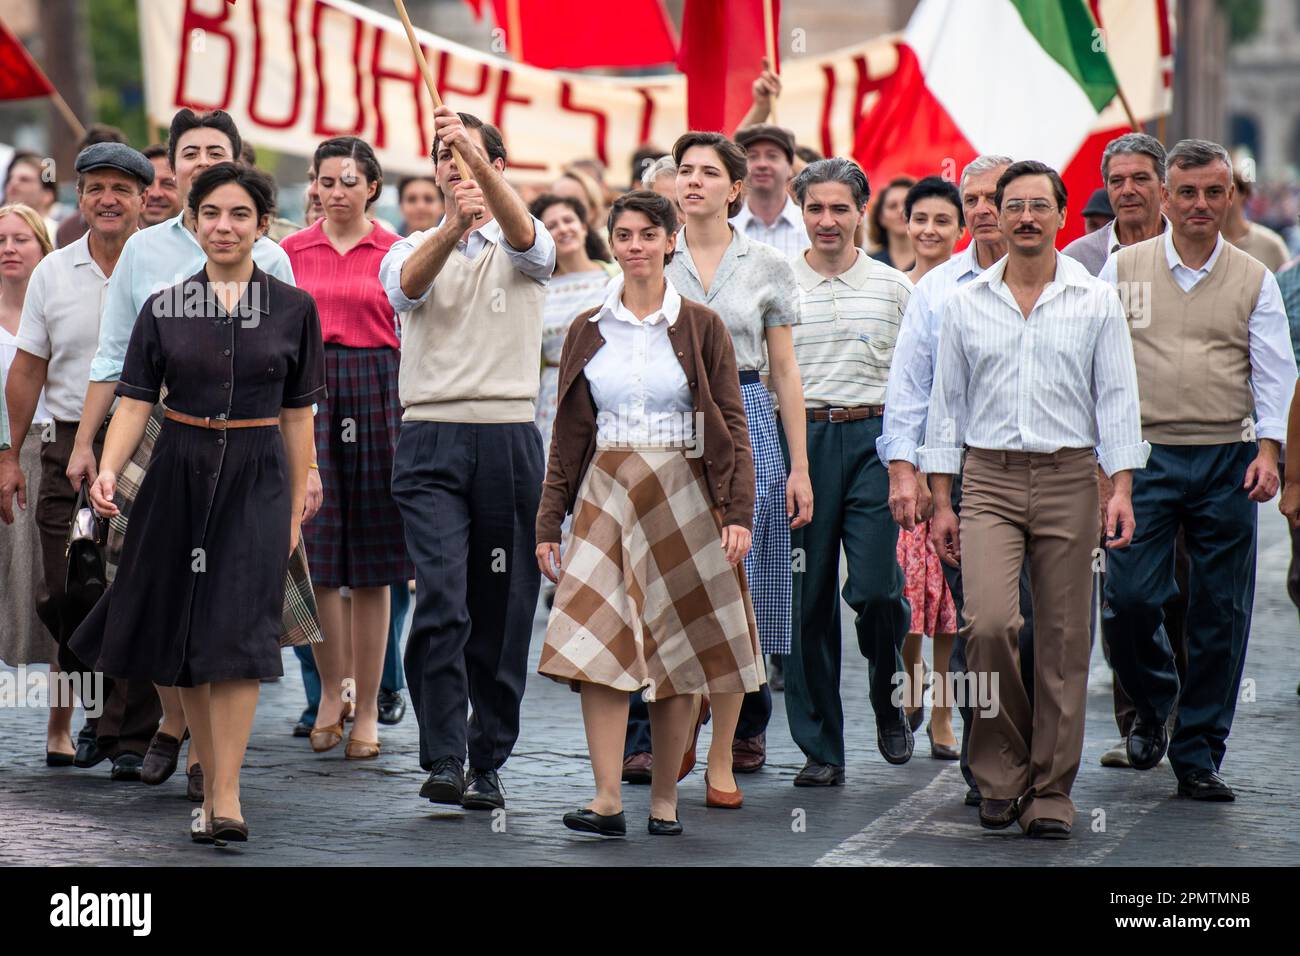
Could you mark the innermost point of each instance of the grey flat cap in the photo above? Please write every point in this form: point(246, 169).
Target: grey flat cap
point(116, 156)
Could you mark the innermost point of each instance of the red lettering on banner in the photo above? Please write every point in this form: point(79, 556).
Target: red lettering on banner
point(828, 145)
point(445, 85)
point(380, 74)
point(292, 119)
point(205, 24)
point(322, 92)
point(602, 121)
point(504, 97)
point(647, 116)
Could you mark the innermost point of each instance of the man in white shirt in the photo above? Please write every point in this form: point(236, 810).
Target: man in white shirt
point(56, 343)
point(910, 376)
point(769, 214)
point(1212, 343)
point(1035, 371)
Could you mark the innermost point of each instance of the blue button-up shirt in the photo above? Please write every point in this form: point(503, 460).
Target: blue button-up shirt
point(911, 372)
point(154, 259)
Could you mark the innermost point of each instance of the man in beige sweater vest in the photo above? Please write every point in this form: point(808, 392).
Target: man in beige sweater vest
point(1216, 373)
point(467, 475)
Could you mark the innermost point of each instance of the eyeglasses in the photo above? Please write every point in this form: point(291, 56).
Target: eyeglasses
point(1039, 207)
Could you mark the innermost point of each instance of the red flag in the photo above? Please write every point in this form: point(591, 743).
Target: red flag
point(723, 45)
point(572, 34)
point(20, 77)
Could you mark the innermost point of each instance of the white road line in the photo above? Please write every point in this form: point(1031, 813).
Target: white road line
point(867, 848)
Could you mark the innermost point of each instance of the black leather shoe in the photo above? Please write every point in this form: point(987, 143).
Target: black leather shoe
point(589, 821)
point(816, 774)
point(194, 784)
point(1205, 785)
point(658, 827)
point(998, 814)
point(126, 768)
point(89, 753)
point(160, 759)
point(392, 707)
point(446, 783)
point(483, 791)
point(941, 751)
point(895, 741)
point(1045, 829)
point(973, 798)
point(303, 728)
point(1147, 743)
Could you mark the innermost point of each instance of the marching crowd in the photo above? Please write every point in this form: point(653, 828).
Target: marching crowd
point(672, 409)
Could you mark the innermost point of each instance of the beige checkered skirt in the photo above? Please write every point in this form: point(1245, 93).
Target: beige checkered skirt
point(646, 598)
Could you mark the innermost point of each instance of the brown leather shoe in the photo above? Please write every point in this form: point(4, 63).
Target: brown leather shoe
point(998, 814)
point(724, 799)
point(361, 749)
point(638, 767)
point(160, 759)
point(229, 830)
point(748, 754)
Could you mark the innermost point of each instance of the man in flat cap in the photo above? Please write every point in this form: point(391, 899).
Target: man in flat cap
point(57, 336)
point(769, 214)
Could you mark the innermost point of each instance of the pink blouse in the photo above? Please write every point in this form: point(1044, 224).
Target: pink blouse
point(354, 309)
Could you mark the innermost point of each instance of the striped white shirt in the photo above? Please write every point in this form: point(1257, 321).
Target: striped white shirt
point(787, 235)
point(1063, 378)
point(912, 372)
point(844, 342)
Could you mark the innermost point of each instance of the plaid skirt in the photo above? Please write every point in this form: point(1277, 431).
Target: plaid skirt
point(646, 598)
point(767, 566)
point(300, 622)
point(356, 539)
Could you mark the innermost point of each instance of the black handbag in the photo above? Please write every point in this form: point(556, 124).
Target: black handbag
point(86, 578)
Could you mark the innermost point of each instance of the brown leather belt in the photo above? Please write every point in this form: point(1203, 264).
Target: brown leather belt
point(221, 424)
point(855, 414)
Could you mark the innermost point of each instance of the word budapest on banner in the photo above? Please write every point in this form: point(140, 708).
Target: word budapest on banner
point(294, 72)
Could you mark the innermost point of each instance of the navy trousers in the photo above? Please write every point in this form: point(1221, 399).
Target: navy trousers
point(957, 661)
point(1197, 488)
point(468, 495)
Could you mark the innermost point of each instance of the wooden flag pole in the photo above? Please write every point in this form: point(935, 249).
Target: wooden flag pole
point(515, 30)
point(428, 82)
point(1128, 110)
point(769, 41)
point(66, 112)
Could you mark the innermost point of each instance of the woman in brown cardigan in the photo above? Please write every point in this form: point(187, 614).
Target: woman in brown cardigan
point(650, 452)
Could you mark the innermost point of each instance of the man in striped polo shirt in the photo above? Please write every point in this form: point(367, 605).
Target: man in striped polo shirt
point(850, 309)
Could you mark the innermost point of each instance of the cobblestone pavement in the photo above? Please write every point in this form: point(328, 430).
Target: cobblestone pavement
point(305, 809)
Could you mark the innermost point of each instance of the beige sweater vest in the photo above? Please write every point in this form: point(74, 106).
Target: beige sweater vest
point(472, 351)
point(1192, 349)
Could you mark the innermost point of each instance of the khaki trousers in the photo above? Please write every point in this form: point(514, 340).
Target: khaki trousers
point(1039, 509)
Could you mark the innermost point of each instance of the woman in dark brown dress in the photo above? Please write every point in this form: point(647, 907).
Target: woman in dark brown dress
point(197, 600)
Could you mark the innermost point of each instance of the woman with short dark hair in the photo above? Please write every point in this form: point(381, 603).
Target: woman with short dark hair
point(887, 226)
point(356, 540)
point(646, 380)
point(198, 598)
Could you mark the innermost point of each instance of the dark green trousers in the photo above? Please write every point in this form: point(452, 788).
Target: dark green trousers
point(850, 509)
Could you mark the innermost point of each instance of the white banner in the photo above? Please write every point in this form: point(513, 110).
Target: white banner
point(294, 72)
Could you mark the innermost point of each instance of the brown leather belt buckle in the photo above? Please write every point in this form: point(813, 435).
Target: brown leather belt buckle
point(837, 415)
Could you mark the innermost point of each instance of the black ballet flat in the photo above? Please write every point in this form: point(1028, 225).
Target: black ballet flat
point(589, 821)
point(55, 759)
point(659, 827)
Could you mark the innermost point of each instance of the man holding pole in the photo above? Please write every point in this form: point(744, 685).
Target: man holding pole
point(468, 471)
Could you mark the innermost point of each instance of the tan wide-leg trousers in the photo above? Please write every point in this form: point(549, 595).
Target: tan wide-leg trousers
point(1040, 508)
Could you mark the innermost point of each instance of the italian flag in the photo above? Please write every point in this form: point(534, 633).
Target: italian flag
point(1031, 79)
